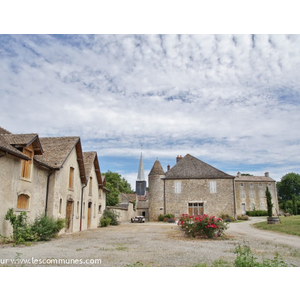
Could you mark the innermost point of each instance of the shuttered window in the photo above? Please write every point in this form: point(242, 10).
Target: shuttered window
point(177, 187)
point(23, 201)
point(26, 164)
point(71, 178)
point(213, 186)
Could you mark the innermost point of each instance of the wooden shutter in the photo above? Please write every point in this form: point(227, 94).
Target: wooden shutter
point(26, 165)
point(22, 201)
point(71, 177)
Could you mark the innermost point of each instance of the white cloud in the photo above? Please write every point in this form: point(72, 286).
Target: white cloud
point(231, 98)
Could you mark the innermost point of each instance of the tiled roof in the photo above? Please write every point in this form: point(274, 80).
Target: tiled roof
point(190, 167)
point(90, 159)
point(4, 131)
point(157, 169)
point(6, 147)
point(24, 140)
point(254, 179)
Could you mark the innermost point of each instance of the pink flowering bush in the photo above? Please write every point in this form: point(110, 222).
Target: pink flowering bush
point(202, 225)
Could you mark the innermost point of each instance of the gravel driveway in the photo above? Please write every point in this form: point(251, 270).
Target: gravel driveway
point(153, 244)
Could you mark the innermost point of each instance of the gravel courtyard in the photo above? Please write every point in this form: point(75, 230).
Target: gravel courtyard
point(151, 244)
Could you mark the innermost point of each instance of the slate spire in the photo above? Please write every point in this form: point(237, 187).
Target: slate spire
point(141, 182)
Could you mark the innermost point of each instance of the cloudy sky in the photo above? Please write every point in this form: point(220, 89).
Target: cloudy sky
point(230, 100)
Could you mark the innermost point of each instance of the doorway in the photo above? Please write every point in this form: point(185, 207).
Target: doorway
point(69, 215)
point(89, 215)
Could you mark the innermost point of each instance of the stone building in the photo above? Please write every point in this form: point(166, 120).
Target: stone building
point(51, 176)
point(195, 187)
point(250, 192)
point(192, 187)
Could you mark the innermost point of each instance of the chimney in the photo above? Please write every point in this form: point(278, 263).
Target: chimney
point(267, 174)
point(178, 158)
point(168, 167)
point(239, 174)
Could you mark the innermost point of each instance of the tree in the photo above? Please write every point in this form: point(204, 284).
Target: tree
point(269, 202)
point(116, 184)
point(288, 189)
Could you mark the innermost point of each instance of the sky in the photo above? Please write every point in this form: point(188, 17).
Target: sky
point(231, 100)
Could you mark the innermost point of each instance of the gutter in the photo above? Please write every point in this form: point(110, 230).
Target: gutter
point(80, 228)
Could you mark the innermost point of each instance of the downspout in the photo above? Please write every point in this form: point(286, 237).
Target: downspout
point(80, 228)
point(234, 200)
point(165, 197)
point(47, 191)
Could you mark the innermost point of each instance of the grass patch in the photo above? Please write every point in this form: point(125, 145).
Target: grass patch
point(289, 225)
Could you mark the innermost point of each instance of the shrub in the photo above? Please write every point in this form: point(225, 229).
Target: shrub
point(243, 217)
point(165, 218)
point(46, 227)
point(257, 213)
point(227, 218)
point(202, 225)
point(111, 216)
point(43, 228)
point(104, 222)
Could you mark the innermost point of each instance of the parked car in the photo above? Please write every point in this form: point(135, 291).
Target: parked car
point(138, 219)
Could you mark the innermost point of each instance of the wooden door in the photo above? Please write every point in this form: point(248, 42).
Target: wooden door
point(69, 214)
point(89, 214)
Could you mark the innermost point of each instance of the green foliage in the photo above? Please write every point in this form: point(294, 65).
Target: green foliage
point(166, 217)
point(43, 228)
point(269, 202)
point(47, 227)
point(109, 217)
point(227, 218)
point(257, 213)
point(202, 225)
point(104, 222)
point(116, 184)
point(287, 188)
point(21, 229)
point(245, 258)
point(243, 217)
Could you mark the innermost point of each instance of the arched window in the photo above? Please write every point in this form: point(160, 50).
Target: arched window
point(23, 201)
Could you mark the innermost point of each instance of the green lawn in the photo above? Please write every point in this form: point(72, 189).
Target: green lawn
point(289, 225)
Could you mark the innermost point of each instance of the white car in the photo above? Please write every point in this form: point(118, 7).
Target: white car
point(138, 219)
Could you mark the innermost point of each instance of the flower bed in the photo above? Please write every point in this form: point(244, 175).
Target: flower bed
point(202, 225)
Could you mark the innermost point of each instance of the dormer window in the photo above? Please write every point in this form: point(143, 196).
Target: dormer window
point(27, 164)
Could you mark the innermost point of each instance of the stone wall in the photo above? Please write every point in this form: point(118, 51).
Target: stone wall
point(198, 191)
point(125, 214)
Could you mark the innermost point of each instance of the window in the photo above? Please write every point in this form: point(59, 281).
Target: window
point(262, 206)
point(260, 184)
point(83, 209)
point(252, 194)
point(177, 187)
point(94, 210)
point(196, 208)
point(252, 206)
point(213, 186)
point(99, 209)
point(91, 186)
point(27, 164)
point(261, 194)
point(243, 208)
point(243, 195)
point(23, 201)
point(77, 209)
point(242, 184)
point(71, 178)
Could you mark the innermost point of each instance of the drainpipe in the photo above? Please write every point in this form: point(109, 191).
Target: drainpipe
point(234, 200)
point(164, 196)
point(80, 228)
point(47, 191)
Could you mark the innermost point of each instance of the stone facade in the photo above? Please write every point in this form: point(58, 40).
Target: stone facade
point(49, 176)
point(250, 193)
point(194, 187)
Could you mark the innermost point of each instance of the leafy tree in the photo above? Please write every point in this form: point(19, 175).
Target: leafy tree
point(289, 189)
point(116, 184)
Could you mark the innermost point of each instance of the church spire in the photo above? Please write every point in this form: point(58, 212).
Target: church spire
point(141, 174)
point(141, 182)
